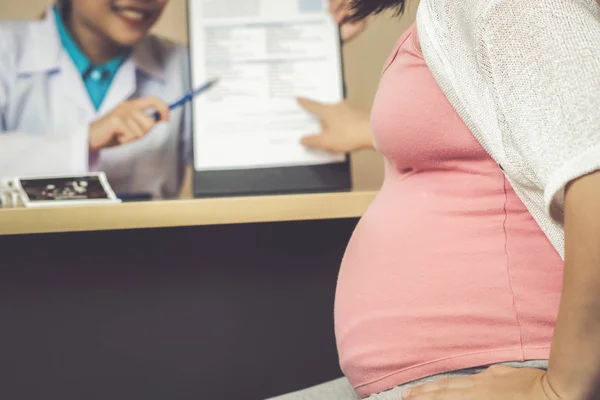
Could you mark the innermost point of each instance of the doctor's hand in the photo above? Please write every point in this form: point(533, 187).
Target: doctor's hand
point(340, 9)
point(128, 122)
point(343, 127)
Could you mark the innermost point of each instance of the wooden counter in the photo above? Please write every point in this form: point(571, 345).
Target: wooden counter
point(227, 298)
point(180, 213)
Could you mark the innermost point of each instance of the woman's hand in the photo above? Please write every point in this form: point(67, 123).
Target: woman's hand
point(496, 383)
point(343, 127)
point(340, 9)
point(126, 123)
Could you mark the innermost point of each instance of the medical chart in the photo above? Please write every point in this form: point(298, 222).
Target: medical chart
point(265, 53)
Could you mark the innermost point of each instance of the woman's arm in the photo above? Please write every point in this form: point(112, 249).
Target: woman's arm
point(575, 358)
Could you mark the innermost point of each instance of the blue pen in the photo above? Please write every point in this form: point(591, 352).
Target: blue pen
point(187, 97)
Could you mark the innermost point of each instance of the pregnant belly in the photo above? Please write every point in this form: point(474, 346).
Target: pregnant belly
point(424, 278)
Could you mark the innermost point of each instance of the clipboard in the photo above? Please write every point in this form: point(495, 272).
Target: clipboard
point(311, 177)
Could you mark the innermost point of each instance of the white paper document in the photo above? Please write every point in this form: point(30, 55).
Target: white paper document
point(266, 53)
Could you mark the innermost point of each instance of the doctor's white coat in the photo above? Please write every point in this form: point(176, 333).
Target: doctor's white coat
point(45, 111)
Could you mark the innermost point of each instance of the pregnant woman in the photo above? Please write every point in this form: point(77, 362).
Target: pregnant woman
point(487, 113)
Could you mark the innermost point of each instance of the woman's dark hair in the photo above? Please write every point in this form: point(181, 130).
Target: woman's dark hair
point(363, 8)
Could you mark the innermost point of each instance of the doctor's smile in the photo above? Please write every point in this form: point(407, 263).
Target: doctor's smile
point(135, 15)
point(112, 25)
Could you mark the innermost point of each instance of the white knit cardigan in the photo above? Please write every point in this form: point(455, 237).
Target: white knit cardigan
point(524, 75)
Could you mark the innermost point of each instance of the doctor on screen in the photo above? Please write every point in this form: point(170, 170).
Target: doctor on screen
point(75, 91)
point(76, 88)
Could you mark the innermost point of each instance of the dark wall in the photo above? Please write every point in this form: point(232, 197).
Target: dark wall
point(226, 312)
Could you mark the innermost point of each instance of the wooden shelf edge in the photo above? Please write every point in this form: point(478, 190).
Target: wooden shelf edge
point(180, 213)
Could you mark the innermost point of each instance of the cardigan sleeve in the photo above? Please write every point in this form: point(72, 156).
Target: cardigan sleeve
point(541, 60)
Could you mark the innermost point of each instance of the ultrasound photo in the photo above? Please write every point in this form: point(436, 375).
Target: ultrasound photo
point(64, 189)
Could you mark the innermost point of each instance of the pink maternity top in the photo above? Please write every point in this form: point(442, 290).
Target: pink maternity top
point(447, 269)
